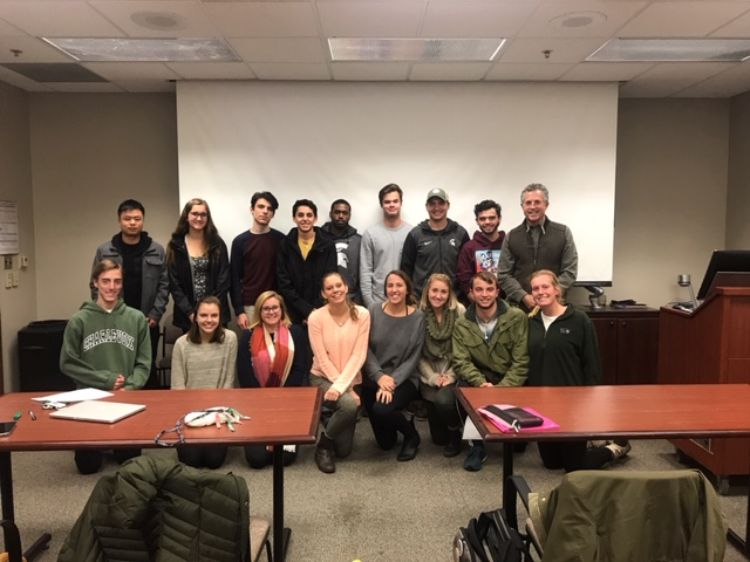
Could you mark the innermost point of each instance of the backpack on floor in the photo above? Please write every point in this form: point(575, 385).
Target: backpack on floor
point(489, 538)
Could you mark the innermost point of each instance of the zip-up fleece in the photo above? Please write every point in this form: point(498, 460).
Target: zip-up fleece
point(99, 345)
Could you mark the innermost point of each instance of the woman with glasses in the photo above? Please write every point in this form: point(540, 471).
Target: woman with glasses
point(396, 336)
point(338, 336)
point(437, 379)
point(272, 353)
point(205, 357)
point(197, 262)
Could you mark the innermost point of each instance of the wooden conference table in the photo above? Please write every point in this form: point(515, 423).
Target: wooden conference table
point(628, 411)
point(278, 416)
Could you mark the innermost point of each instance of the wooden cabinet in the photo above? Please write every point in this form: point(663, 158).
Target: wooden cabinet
point(628, 343)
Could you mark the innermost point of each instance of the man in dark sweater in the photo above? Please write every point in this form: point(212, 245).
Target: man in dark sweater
point(537, 243)
point(145, 282)
point(253, 257)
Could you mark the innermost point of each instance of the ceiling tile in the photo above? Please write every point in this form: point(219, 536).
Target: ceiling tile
point(263, 19)
point(455, 72)
point(32, 50)
point(563, 50)
point(370, 19)
point(559, 19)
point(144, 86)
point(212, 70)
point(682, 19)
point(739, 27)
point(8, 30)
point(372, 71)
point(527, 72)
point(482, 18)
point(15, 79)
point(280, 50)
point(290, 71)
point(666, 79)
point(117, 71)
point(731, 82)
point(165, 18)
point(57, 19)
point(96, 88)
point(606, 72)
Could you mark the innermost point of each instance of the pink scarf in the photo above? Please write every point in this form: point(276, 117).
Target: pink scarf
point(272, 360)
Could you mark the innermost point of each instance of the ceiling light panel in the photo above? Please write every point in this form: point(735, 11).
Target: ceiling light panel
point(143, 50)
point(672, 50)
point(419, 50)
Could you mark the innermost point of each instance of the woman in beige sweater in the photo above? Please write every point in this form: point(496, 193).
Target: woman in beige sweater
point(338, 331)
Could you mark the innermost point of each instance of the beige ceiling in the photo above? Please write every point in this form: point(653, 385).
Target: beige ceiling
point(286, 40)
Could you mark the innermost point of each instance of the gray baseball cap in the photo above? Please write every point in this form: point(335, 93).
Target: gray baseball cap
point(439, 193)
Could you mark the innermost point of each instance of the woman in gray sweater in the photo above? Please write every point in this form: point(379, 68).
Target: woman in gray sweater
point(205, 357)
point(392, 380)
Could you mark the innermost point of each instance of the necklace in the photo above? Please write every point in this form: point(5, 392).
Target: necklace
point(339, 318)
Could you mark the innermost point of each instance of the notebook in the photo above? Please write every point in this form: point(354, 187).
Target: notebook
point(98, 411)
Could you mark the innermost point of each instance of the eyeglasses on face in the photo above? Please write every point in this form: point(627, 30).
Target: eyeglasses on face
point(197, 215)
point(272, 308)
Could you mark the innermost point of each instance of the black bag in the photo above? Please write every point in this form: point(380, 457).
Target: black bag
point(489, 538)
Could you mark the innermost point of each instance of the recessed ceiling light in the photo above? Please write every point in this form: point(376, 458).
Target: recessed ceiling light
point(577, 20)
point(672, 50)
point(422, 50)
point(143, 50)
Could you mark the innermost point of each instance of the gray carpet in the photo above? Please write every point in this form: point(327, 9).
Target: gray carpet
point(373, 509)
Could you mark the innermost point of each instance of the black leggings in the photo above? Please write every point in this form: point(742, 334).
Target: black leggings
point(89, 461)
point(211, 456)
point(573, 455)
point(386, 419)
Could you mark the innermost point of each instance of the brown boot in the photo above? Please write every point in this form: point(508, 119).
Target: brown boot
point(324, 455)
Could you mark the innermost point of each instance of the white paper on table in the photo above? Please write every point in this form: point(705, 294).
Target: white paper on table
point(470, 431)
point(74, 396)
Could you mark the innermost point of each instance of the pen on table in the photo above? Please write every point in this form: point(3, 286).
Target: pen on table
point(32, 415)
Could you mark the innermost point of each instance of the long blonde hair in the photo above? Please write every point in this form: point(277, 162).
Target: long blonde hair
point(261, 300)
point(424, 301)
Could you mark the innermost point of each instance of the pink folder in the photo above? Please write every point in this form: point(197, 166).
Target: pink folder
point(505, 427)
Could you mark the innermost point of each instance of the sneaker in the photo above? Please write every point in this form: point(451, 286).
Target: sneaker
point(594, 443)
point(475, 459)
point(619, 451)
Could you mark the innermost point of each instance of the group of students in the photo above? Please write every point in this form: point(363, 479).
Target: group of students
point(382, 357)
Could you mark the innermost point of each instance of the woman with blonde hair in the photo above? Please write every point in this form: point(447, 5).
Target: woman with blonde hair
point(436, 377)
point(272, 353)
point(339, 331)
point(563, 352)
point(197, 263)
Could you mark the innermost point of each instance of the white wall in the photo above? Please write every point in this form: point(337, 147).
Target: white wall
point(17, 305)
point(738, 196)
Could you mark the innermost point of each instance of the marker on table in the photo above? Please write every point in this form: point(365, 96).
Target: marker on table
point(32, 415)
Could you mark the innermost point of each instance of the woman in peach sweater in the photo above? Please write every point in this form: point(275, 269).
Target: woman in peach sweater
point(338, 331)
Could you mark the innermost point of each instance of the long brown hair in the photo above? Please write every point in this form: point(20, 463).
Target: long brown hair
point(411, 300)
point(194, 334)
point(349, 302)
point(210, 233)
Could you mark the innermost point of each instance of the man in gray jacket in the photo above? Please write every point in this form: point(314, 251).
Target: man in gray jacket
point(145, 281)
point(434, 244)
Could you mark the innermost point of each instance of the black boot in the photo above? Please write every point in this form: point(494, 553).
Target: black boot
point(411, 444)
point(455, 443)
point(324, 455)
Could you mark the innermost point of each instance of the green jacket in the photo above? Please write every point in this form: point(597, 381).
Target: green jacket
point(624, 516)
point(503, 360)
point(155, 509)
point(98, 345)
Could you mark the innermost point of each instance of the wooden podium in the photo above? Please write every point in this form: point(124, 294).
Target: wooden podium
point(711, 345)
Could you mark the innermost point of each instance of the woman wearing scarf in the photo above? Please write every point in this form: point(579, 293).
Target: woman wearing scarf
point(272, 353)
point(436, 377)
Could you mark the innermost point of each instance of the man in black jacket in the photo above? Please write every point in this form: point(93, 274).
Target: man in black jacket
point(305, 256)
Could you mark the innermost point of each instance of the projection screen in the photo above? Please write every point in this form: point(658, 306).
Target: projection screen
point(323, 141)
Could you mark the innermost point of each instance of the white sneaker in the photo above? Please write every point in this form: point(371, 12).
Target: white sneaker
point(618, 451)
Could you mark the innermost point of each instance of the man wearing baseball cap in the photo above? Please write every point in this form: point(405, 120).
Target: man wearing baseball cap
point(434, 244)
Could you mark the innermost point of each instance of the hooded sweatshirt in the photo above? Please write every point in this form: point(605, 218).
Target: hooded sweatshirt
point(99, 345)
point(478, 254)
point(347, 256)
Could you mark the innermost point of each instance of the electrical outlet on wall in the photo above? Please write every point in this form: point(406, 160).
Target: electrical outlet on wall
point(8, 280)
point(8, 262)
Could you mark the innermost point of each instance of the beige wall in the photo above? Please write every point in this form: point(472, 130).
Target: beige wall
point(738, 195)
point(17, 305)
point(89, 152)
point(671, 194)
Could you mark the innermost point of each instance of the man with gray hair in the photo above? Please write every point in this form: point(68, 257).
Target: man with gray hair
point(537, 243)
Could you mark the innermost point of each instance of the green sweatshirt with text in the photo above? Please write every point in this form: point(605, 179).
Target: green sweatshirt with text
point(99, 345)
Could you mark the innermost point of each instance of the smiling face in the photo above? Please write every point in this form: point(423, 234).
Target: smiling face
point(438, 293)
point(488, 221)
point(545, 290)
point(395, 290)
point(270, 313)
point(305, 219)
point(198, 217)
point(207, 317)
point(437, 209)
point(534, 206)
point(109, 285)
point(484, 294)
point(334, 289)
